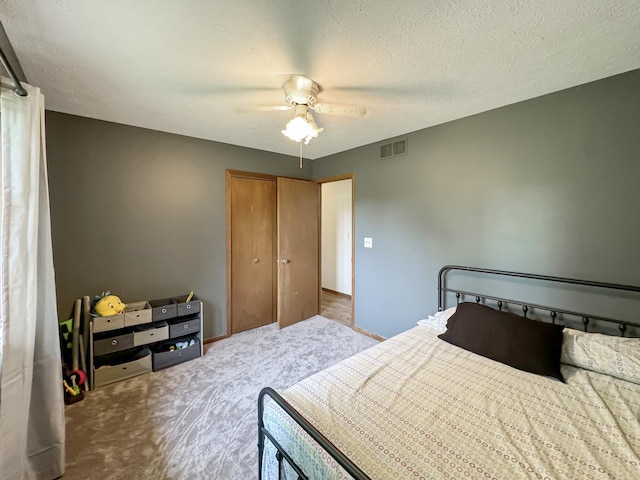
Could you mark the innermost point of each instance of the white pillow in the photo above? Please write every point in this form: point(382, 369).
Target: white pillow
point(433, 324)
point(615, 356)
point(437, 322)
point(446, 314)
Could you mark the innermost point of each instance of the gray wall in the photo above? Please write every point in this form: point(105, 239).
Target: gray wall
point(549, 185)
point(142, 213)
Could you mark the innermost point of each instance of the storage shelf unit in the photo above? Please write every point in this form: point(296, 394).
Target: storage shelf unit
point(144, 338)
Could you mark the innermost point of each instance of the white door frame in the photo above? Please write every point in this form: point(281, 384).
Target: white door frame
point(337, 178)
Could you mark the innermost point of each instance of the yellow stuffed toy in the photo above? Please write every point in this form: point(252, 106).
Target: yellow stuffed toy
point(107, 305)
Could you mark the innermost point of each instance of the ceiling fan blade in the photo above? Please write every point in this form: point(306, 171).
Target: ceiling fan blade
point(265, 108)
point(358, 111)
point(271, 108)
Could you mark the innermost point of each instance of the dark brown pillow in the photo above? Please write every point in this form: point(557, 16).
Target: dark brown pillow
point(522, 343)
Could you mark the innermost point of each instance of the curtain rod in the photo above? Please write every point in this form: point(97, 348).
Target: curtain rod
point(18, 88)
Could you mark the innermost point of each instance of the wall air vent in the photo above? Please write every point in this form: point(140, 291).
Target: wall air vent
point(393, 149)
point(400, 148)
point(386, 150)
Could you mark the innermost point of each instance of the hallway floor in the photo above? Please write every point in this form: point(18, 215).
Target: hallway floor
point(336, 306)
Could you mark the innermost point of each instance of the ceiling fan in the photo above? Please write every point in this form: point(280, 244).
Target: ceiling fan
point(301, 95)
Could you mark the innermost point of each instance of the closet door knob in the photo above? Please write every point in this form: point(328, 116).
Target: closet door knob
point(256, 260)
point(285, 260)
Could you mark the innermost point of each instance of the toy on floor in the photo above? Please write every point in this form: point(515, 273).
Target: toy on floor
point(72, 379)
point(107, 305)
point(71, 382)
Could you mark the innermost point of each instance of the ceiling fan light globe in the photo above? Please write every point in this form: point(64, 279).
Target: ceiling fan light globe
point(298, 129)
point(314, 130)
point(311, 136)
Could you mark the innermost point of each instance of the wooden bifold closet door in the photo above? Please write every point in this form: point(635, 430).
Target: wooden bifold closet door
point(298, 250)
point(273, 250)
point(253, 233)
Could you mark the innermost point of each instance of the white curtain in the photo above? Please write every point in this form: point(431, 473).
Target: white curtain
point(31, 396)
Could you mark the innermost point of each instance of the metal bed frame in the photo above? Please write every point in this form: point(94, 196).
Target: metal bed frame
point(553, 312)
point(353, 470)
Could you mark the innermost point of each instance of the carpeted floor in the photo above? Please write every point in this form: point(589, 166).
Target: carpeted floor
point(198, 420)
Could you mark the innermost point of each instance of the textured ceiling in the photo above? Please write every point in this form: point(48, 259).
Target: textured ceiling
point(191, 67)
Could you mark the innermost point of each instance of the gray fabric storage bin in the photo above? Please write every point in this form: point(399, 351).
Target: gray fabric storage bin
point(163, 309)
point(168, 359)
point(104, 324)
point(184, 326)
point(113, 344)
point(185, 308)
point(154, 332)
point(114, 373)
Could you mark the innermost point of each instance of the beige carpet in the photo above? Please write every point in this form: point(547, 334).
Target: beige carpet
point(198, 420)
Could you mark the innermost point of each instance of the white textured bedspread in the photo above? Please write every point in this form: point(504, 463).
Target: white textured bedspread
point(417, 407)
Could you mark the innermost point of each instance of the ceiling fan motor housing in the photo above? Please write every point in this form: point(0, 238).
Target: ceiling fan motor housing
point(300, 90)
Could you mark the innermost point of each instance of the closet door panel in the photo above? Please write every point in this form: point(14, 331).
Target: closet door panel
point(298, 270)
point(252, 226)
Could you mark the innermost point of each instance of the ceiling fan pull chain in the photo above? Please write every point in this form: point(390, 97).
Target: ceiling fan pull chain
point(300, 153)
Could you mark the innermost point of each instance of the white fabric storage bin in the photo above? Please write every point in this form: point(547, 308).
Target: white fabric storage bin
point(137, 313)
point(104, 324)
point(145, 334)
point(114, 373)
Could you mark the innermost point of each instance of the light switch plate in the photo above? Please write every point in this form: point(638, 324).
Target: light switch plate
point(368, 242)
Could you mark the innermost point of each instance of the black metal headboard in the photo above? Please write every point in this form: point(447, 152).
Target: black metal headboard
point(553, 312)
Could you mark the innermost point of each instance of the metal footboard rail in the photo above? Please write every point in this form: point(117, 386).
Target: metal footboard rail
point(350, 467)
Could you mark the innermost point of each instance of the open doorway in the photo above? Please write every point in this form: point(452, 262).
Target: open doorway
point(336, 253)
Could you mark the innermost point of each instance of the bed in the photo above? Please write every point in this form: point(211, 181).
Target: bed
point(419, 406)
